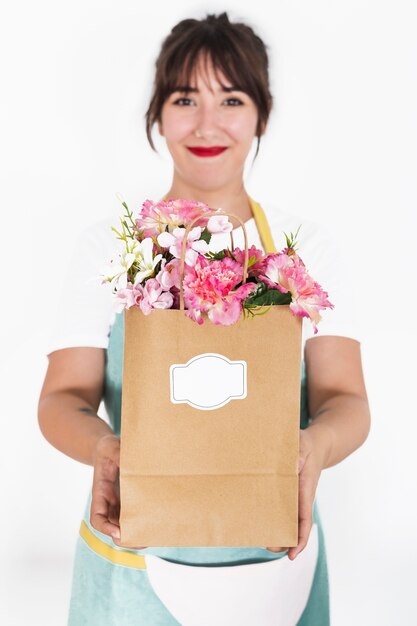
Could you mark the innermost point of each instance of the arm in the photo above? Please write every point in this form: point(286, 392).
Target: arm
point(69, 400)
point(337, 397)
point(67, 414)
point(340, 419)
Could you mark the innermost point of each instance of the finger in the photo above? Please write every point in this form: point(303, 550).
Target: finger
point(276, 549)
point(114, 514)
point(301, 463)
point(99, 516)
point(117, 542)
point(305, 515)
point(114, 509)
point(101, 524)
point(106, 469)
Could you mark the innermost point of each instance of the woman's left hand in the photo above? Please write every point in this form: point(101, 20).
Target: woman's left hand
point(310, 464)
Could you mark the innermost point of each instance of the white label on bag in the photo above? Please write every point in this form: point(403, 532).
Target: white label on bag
point(208, 381)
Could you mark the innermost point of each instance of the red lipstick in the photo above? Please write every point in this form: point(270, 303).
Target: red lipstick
point(206, 152)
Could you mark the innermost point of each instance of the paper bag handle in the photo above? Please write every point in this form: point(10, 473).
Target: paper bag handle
point(184, 247)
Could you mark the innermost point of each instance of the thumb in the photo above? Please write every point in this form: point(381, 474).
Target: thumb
point(301, 463)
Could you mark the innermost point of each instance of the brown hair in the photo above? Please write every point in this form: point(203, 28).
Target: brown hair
point(233, 48)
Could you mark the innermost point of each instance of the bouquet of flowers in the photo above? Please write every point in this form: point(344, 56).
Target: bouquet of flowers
point(147, 272)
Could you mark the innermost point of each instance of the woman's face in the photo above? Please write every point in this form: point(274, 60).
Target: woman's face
point(209, 128)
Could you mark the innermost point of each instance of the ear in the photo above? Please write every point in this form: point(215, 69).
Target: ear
point(160, 129)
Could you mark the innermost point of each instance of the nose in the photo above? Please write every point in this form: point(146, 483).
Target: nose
point(206, 122)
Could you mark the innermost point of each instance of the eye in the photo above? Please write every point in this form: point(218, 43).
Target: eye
point(183, 101)
point(233, 102)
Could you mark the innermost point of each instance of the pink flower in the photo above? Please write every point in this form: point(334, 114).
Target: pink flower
point(156, 216)
point(277, 269)
point(176, 295)
point(257, 265)
point(227, 310)
point(174, 240)
point(308, 298)
point(169, 274)
point(154, 297)
point(289, 274)
point(153, 218)
point(187, 210)
point(208, 288)
point(129, 296)
point(292, 253)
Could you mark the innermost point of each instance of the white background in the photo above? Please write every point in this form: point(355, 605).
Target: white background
point(341, 149)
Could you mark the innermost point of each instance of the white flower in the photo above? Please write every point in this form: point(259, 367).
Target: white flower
point(174, 241)
point(145, 259)
point(219, 224)
point(138, 253)
point(116, 272)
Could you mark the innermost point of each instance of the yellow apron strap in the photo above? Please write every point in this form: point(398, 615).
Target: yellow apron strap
point(117, 556)
point(263, 227)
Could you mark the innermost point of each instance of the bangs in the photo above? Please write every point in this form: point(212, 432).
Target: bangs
point(181, 69)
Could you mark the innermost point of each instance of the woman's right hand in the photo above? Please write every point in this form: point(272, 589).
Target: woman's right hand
point(105, 501)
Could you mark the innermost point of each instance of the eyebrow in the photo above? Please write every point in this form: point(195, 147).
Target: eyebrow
point(194, 90)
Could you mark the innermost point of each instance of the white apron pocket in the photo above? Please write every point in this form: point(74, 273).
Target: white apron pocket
point(273, 593)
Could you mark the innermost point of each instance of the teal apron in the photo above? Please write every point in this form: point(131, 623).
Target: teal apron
point(108, 594)
point(111, 586)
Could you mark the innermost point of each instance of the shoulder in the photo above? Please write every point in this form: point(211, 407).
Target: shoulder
point(100, 232)
point(94, 246)
point(314, 240)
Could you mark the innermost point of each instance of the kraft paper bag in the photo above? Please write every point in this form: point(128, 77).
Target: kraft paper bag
point(210, 430)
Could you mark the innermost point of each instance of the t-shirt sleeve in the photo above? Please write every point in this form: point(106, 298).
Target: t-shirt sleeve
point(85, 308)
point(318, 249)
point(327, 266)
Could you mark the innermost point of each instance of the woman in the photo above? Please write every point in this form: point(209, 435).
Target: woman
point(211, 100)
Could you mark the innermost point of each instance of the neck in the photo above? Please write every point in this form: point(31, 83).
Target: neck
point(233, 199)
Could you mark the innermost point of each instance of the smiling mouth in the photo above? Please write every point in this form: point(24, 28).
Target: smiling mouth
point(206, 152)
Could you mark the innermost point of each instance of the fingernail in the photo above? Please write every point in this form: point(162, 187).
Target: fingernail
point(115, 534)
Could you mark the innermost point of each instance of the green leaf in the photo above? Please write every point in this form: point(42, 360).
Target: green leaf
point(260, 288)
point(254, 311)
point(267, 297)
point(216, 256)
point(205, 236)
point(291, 241)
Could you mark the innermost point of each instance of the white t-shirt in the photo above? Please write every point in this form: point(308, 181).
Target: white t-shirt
point(85, 311)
